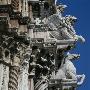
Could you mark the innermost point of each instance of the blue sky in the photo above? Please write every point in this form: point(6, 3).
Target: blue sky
point(81, 9)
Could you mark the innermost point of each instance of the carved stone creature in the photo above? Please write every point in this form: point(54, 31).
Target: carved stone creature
point(67, 71)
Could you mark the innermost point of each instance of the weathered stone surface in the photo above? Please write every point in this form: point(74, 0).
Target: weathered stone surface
point(34, 40)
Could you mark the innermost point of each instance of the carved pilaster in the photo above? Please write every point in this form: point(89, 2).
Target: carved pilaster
point(23, 81)
point(4, 77)
point(23, 77)
point(4, 63)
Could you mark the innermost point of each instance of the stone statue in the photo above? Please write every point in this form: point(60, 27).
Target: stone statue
point(62, 27)
point(67, 71)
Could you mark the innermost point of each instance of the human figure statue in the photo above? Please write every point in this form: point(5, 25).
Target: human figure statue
point(56, 18)
point(62, 27)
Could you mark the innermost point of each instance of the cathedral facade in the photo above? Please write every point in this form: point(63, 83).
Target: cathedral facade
point(34, 40)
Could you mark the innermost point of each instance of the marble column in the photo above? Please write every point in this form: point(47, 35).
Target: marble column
point(1, 75)
point(13, 81)
point(13, 75)
point(5, 77)
point(23, 76)
point(23, 81)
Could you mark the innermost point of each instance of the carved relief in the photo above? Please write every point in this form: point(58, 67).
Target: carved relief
point(34, 39)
